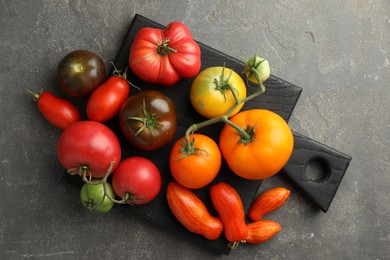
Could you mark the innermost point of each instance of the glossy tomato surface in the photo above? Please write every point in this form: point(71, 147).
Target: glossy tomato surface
point(164, 56)
point(198, 168)
point(58, 111)
point(88, 145)
point(107, 99)
point(267, 151)
point(211, 95)
point(148, 120)
point(80, 72)
point(139, 177)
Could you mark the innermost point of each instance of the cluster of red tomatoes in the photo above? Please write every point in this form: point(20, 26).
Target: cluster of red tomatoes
point(255, 143)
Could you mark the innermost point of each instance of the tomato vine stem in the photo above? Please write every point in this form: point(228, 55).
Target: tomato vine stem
point(246, 137)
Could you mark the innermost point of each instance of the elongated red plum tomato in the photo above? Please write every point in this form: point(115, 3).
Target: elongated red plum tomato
point(164, 56)
point(106, 101)
point(80, 72)
point(58, 111)
point(148, 120)
point(139, 178)
point(228, 204)
point(90, 147)
point(192, 213)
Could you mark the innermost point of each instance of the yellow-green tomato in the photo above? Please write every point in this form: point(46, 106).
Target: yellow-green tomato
point(94, 198)
point(257, 68)
point(211, 94)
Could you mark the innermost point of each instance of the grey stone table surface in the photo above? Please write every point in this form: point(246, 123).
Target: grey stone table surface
point(337, 51)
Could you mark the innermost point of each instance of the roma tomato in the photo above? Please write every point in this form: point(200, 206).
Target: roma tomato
point(257, 69)
point(148, 120)
point(192, 213)
point(59, 112)
point(268, 201)
point(106, 101)
point(89, 147)
point(164, 56)
point(96, 197)
point(264, 150)
point(196, 164)
point(211, 94)
point(80, 72)
point(229, 206)
point(138, 178)
point(261, 231)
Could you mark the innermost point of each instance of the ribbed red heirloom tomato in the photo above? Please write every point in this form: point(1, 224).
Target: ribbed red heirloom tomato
point(139, 178)
point(90, 147)
point(164, 56)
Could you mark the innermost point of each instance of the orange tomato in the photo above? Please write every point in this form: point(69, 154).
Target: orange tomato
point(196, 168)
point(265, 153)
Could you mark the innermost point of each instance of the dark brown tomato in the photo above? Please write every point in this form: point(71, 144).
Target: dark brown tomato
point(80, 72)
point(148, 120)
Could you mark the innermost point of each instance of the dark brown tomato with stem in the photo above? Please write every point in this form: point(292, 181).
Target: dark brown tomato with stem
point(148, 120)
point(80, 72)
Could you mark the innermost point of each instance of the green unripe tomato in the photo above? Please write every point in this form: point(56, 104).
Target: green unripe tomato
point(257, 65)
point(94, 199)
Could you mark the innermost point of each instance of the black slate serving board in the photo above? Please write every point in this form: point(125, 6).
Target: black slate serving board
point(280, 97)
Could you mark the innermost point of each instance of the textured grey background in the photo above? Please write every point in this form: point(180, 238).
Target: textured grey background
point(337, 51)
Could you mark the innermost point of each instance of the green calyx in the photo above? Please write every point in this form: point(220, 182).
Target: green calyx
point(188, 148)
point(164, 49)
point(222, 84)
point(249, 136)
point(149, 121)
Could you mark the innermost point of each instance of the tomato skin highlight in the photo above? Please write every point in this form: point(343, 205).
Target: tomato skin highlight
point(207, 97)
point(192, 213)
point(90, 144)
point(228, 204)
point(80, 72)
point(268, 201)
point(195, 171)
point(58, 111)
point(139, 177)
point(164, 56)
point(268, 151)
point(107, 99)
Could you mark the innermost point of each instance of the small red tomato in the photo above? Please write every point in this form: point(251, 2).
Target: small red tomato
point(228, 204)
point(59, 112)
point(192, 213)
point(139, 177)
point(106, 101)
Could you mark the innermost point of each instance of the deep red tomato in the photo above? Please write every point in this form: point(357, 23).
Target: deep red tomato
point(164, 56)
point(198, 165)
point(192, 213)
point(88, 146)
point(139, 177)
point(80, 72)
point(59, 112)
point(229, 206)
point(148, 120)
point(106, 101)
point(267, 149)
